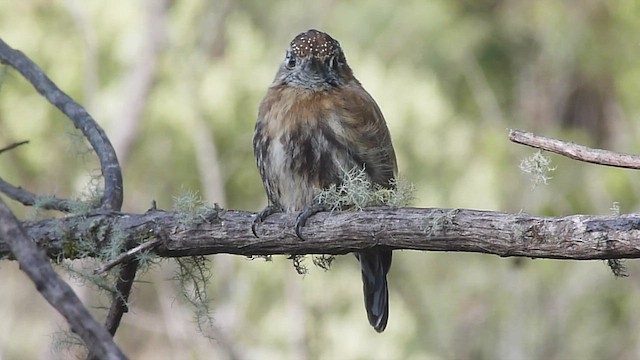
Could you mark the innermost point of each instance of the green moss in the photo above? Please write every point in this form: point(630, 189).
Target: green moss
point(69, 248)
point(191, 208)
point(116, 244)
point(66, 343)
point(298, 264)
point(323, 261)
point(146, 260)
point(539, 167)
point(440, 222)
point(193, 275)
point(357, 192)
point(615, 208)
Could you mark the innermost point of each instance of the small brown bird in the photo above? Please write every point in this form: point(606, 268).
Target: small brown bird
point(316, 122)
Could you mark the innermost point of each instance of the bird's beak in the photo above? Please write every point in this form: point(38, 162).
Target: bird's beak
point(319, 69)
point(315, 66)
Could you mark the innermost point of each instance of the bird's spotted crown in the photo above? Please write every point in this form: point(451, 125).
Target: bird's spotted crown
point(314, 43)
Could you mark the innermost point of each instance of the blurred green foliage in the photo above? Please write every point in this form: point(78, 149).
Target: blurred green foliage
point(450, 77)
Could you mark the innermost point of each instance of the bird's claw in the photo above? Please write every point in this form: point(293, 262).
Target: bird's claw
point(261, 216)
point(305, 214)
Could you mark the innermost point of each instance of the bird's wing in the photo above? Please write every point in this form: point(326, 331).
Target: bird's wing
point(371, 138)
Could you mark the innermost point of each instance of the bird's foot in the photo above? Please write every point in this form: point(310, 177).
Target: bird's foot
point(261, 216)
point(305, 214)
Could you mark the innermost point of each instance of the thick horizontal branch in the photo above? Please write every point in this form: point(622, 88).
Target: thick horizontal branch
point(570, 237)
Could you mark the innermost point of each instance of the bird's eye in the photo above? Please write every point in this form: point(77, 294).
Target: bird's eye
point(290, 61)
point(332, 62)
point(336, 61)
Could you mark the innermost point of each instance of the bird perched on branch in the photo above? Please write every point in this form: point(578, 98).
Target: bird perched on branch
point(316, 122)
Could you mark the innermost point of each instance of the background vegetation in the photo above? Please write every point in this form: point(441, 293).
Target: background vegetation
point(176, 85)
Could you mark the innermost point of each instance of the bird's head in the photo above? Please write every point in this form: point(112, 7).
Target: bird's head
point(314, 60)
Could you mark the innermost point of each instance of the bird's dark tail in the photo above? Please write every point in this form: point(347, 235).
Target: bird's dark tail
point(375, 265)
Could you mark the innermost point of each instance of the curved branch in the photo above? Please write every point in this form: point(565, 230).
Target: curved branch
point(574, 151)
point(60, 295)
point(577, 237)
point(113, 192)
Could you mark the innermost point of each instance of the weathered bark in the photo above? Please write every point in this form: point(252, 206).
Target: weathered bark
point(578, 237)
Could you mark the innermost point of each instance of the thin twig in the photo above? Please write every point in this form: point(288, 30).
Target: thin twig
point(126, 256)
point(30, 199)
point(13, 146)
point(574, 151)
point(120, 304)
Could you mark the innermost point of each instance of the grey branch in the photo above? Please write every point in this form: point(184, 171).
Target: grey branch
point(28, 198)
point(578, 237)
point(60, 295)
point(574, 151)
